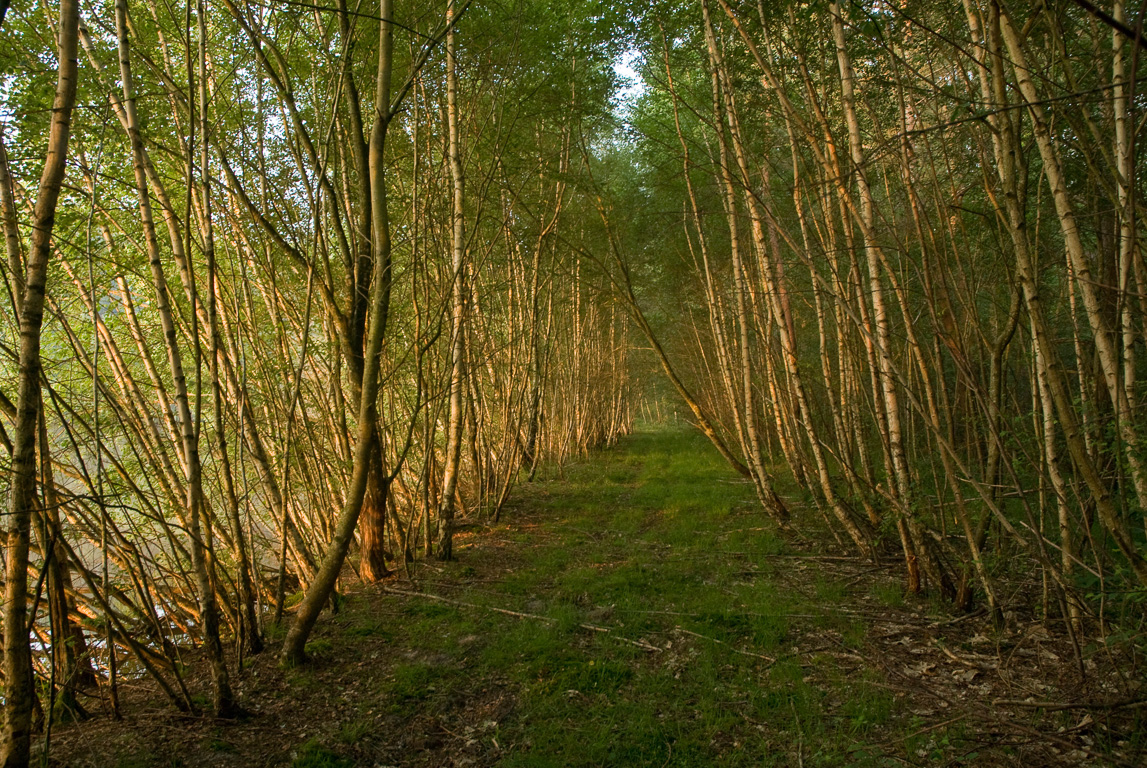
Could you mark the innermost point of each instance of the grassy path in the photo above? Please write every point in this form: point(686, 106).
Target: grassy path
point(635, 610)
point(654, 543)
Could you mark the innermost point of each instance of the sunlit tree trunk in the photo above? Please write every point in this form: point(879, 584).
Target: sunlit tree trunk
point(459, 291)
point(19, 691)
point(320, 589)
point(1130, 280)
point(743, 372)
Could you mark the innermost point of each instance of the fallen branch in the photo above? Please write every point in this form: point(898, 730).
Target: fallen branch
point(973, 615)
point(927, 729)
point(522, 615)
point(769, 659)
point(1055, 706)
point(960, 660)
point(826, 558)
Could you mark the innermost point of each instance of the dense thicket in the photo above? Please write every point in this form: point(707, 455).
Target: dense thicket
point(907, 237)
point(305, 259)
point(325, 280)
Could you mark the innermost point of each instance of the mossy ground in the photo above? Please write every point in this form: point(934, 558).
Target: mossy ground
point(634, 608)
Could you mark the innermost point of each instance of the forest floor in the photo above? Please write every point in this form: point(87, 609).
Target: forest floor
point(636, 608)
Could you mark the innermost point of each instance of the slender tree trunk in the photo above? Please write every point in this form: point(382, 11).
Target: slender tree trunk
point(67, 637)
point(857, 530)
point(1129, 249)
point(294, 646)
point(19, 691)
point(459, 290)
point(744, 368)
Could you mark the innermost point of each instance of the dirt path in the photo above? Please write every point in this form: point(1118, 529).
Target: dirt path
point(637, 609)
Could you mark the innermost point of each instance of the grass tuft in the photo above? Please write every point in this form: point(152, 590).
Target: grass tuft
point(314, 755)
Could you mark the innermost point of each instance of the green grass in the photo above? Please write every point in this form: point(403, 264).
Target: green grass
point(319, 647)
point(354, 731)
point(314, 755)
point(659, 543)
point(889, 593)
